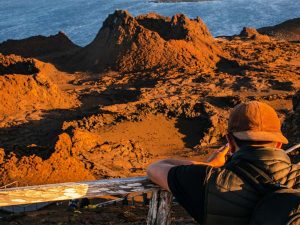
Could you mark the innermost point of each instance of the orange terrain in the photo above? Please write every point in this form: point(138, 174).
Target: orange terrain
point(147, 87)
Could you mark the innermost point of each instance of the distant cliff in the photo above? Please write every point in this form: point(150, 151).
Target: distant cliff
point(289, 30)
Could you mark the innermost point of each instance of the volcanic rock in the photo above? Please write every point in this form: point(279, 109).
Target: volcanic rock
point(107, 159)
point(38, 45)
point(251, 33)
point(17, 65)
point(25, 86)
point(288, 30)
point(61, 166)
point(149, 42)
point(81, 156)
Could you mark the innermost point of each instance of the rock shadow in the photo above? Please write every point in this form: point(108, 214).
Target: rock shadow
point(143, 82)
point(282, 86)
point(164, 26)
point(229, 66)
point(120, 96)
point(25, 67)
point(242, 82)
point(193, 129)
point(37, 137)
point(224, 101)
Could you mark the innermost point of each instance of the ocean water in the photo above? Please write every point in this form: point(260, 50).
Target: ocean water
point(81, 19)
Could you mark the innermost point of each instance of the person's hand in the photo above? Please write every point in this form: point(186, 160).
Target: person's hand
point(217, 158)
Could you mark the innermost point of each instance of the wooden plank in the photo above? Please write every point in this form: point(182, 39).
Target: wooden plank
point(73, 190)
point(160, 208)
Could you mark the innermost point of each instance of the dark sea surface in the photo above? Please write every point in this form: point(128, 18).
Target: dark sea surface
point(81, 19)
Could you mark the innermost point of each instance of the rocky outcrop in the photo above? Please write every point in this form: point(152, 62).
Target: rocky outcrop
point(252, 33)
point(30, 170)
point(37, 46)
point(78, 156)
point(149, 42)
point(25, 86)
point(288, 30)
point(17, 65)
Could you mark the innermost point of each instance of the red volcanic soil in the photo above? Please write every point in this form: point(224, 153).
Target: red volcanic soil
point(146, 88)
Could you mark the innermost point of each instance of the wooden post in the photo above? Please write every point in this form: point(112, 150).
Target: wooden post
point(145, 199)
point(160, 208)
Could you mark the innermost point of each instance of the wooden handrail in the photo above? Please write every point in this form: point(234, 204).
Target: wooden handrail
point(73, 190)
point(159, 209)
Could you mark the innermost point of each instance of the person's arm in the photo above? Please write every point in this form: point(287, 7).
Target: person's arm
point(158, 171)
point(218, 157)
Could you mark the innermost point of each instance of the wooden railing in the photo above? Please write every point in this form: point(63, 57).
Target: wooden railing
point(159, 208)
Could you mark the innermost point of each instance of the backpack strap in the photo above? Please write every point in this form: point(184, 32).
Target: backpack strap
point(254, 176)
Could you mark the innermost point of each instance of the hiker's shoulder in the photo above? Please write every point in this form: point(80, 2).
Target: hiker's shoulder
point(293, 179)
point(224, 178)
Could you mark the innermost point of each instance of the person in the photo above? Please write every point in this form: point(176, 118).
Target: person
point(213, 194)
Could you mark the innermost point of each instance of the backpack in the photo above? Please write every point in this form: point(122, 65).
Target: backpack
point(278, 205)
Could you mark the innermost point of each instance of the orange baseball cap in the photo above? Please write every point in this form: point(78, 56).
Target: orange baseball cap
point(255, 121)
